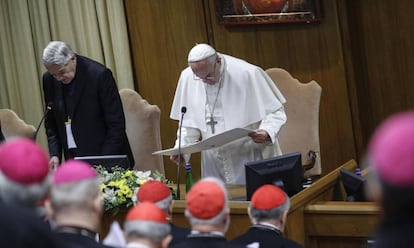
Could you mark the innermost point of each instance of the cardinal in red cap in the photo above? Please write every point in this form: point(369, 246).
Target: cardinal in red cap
point(76, 204)
point(208, 213)
point(390, 155)
point(24, 173)
point(268, 211)
point(158, 192)
point(146, 225)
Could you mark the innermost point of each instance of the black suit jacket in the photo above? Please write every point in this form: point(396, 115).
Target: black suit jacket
point(70, 240)
point(205, 242)
point(1, 136)
point(98, 121)
point(266, 238)
point(21, 228)
point(178, 234)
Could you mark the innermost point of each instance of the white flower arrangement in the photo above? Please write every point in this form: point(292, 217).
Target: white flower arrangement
point(119, 187)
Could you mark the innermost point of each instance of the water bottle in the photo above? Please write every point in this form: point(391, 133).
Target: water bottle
point(189, 178)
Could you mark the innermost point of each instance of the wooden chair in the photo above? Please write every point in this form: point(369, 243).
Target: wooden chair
point(12, 126)
point(301, 131)
point(143, 130)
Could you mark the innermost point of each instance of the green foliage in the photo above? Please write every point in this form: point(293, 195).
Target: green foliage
point(119, 187)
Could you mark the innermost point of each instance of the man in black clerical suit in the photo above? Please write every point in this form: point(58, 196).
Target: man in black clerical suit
point(158, 192)
point(209, 215)
point(147, 226)
point(86, 117)
point(76, 205)
point(268, 211)
point(24, 174)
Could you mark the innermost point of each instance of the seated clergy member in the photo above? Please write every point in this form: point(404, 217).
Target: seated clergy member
point(268, 211)
point(76, 204)
point(209, 215)
point(24, 174)
point(157, 192)
point(147, 226)
point(391, 179)
point(21, 228)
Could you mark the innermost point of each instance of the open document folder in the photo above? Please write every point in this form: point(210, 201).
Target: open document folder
point(212, 142)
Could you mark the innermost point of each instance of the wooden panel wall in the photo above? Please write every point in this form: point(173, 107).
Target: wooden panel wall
point(379, 35)
point(162, 32)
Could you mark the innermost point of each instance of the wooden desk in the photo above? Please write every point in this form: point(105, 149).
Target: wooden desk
point(318, 217)
point(349, 223)
point(240, 221)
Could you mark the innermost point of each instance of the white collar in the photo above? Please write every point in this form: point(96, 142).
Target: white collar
point(136, 245)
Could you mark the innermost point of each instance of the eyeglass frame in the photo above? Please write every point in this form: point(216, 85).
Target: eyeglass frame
point(195, 77)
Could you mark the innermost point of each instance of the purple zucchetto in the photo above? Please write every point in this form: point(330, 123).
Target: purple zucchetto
point(23, 161)
point(391, 150)
point(73, 171)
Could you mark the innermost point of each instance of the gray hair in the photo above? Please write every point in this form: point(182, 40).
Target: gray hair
point(164, 204)
point(79, 195)
point(258, 215)
point(219, 218)
point(213, 58)
point(57, 53)
point(156, 232)
point(26, 195)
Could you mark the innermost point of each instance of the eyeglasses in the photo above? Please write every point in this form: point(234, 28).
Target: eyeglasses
point(209, 77)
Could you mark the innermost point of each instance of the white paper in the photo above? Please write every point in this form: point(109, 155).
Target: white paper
point(212, 142)
point(69, 136)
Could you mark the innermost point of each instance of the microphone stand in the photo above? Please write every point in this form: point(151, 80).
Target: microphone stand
point(183, 110)
point(48, 108)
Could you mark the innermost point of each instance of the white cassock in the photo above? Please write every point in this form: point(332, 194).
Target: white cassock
point(246, 97)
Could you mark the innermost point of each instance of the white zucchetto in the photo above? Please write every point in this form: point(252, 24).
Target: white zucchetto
point(200, 52)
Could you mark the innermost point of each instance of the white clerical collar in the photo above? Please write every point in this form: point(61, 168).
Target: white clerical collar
point(206, 234)
point(136, 245)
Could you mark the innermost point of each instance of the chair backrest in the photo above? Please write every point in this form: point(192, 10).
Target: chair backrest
point(12, 126)
point(301, 131)
point(143, 130)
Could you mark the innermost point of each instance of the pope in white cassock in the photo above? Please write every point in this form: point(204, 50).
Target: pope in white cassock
point(221, 92)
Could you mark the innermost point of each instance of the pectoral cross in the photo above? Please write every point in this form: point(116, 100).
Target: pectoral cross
point(212, 122)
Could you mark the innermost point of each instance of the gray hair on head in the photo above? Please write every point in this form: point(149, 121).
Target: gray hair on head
point(258, 215)
point(57, 53)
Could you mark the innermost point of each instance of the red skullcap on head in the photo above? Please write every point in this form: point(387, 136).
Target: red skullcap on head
point(146, 211)
point(205, 200)
point(153, 191)
point(73, 171)
point(23, 161)
point(391, 150)
point(267, 197)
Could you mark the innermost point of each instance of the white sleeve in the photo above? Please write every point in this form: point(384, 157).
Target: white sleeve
point(190, 135)
point(273, 122)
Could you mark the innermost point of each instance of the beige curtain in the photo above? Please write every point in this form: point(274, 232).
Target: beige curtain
point(94, 28)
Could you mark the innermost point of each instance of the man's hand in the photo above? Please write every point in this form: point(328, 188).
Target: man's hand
point(260, 136)
point(177, 159)
point(53, 163)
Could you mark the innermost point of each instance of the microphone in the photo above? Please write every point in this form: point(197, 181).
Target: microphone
point(47, 110)
point(183, 110)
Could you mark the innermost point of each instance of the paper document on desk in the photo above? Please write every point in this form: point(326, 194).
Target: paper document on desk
point(212, 142)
